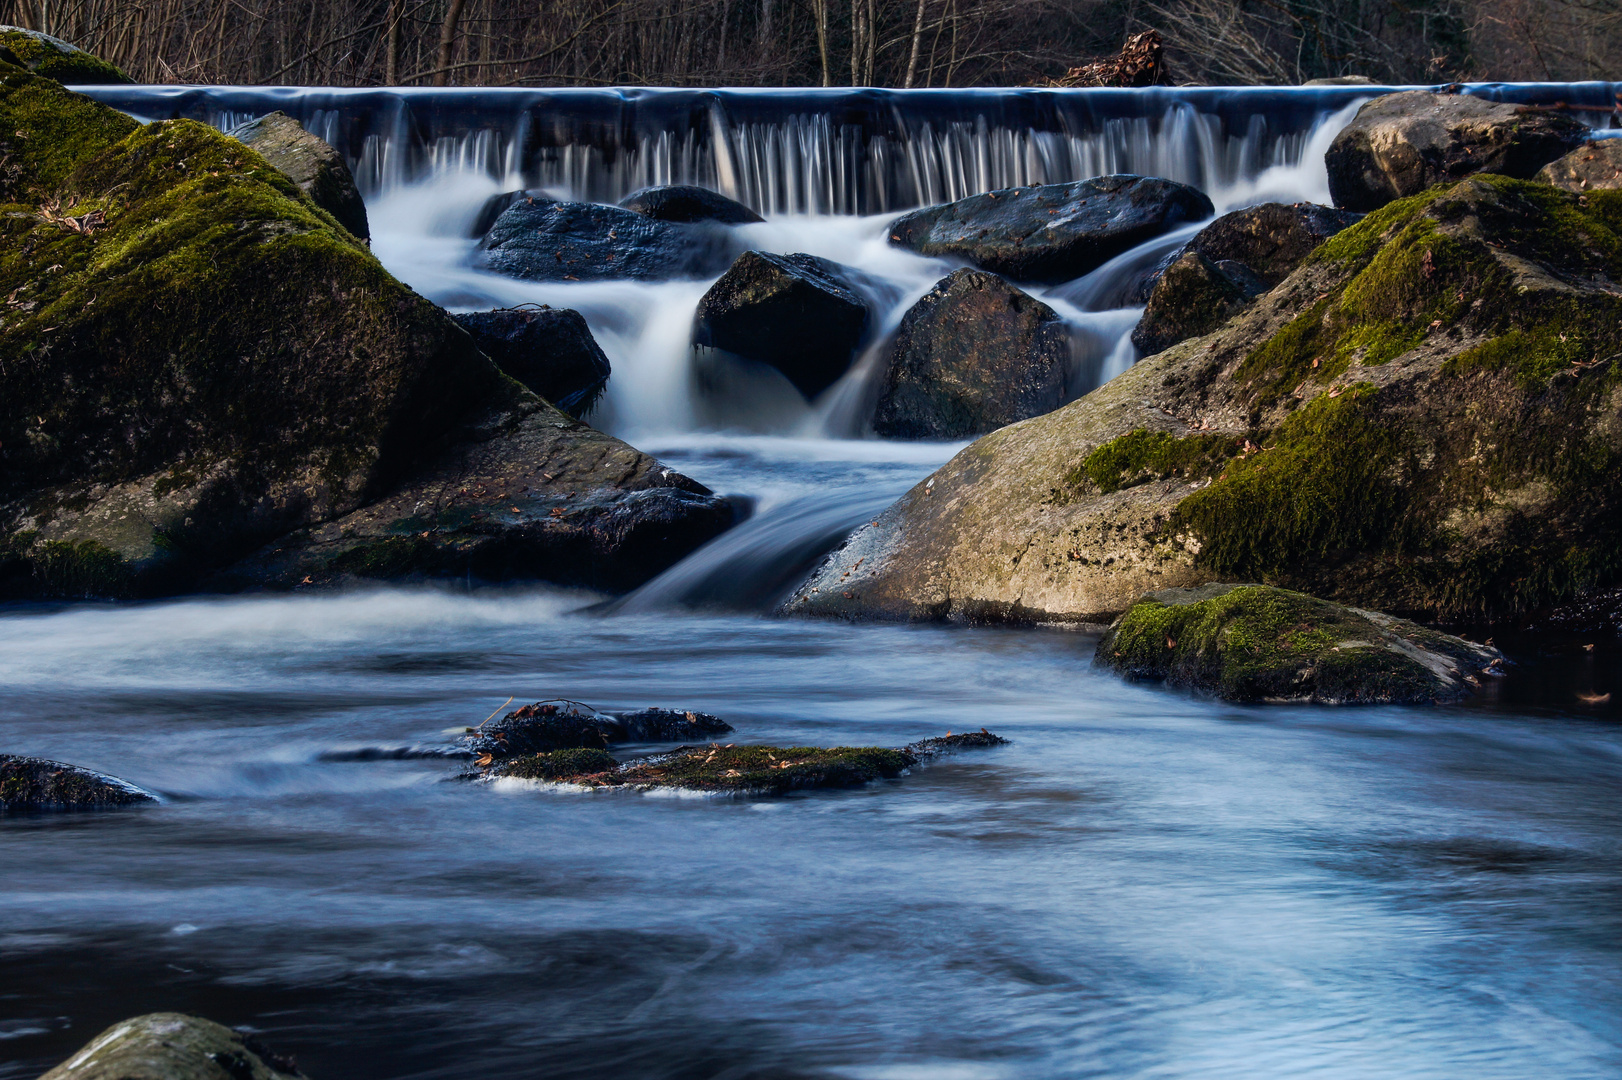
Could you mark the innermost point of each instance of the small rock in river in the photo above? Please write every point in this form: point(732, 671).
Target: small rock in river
point(40, 784)
point(173, 1046)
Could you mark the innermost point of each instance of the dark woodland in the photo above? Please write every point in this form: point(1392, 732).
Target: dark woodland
point(895, 43)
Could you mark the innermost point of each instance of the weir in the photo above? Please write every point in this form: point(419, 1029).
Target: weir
point(809, 151)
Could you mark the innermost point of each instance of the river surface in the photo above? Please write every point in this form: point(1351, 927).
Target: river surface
point(1142, 884)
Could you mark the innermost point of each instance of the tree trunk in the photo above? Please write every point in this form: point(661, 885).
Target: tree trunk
point(821, 12)
point(391, 62)
point(917, 40)
point(447, 42)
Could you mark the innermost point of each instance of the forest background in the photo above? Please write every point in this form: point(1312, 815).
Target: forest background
point(918, 43)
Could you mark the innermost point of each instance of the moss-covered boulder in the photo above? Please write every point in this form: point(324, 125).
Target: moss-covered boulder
point(28, 783)
point(307, 160)
point(56, 59)
point(173, 1046)
point(198, 360)
point(1401, 144)
point(1593, 166)
point(1426, 418)
point(1256, 643)
point(1192, 296)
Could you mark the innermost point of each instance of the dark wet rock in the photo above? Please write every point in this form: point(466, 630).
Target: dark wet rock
point(56, 59)
point(173, 1046)
point(688, 202)
point(540, 240)
point(797, 313)
point(1594, 166)
point(951, 744)
point(1400, 144)
point(496, 205)
point(39, 784)
point(550, 350)
point(974, 354)
point(1272, 239)
point(1052, 232)
point(1421, 419)
point(560, 725)
point(307, 160)
point(1255, 643)
point(202, 365)
point(1194, 296)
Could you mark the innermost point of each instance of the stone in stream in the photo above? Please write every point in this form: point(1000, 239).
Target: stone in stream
point(1420, 419)
point(40, 784)
point(1051, 232)
point(688, 203)
point(799, 314)
point(1271, 239)
point(1193, 296)
point(1400, 144)
point(56, 59)
point(972, 355)
point(307, 160)
point(550, 350)
point(735, 770)
point(173, 1046)
point(1255, 643)
point(538, 239)
point(270, 406)
point(1594, 166)
point(562, 725)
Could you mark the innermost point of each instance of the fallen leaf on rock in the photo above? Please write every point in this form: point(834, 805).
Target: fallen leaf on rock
point(1593, 699)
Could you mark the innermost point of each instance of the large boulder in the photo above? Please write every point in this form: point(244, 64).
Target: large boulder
point(972, 355)
point(307, 160)
point(1591, 167)
point(173, 1046)
point(198, 361)
point(1051, 232)
point(1425, 419)
point(800, 314)
point(1256, 643)
point(550, 350)
point(1193, 296)
point(56, 59)
point(1400, 144)
point(1271, 239)
point(40, 784)
point(537, 239)
point(688, 202)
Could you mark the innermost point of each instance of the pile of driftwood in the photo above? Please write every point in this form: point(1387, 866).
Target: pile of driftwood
point(1139, 63)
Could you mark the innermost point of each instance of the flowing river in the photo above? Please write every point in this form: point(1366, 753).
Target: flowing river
point(1142, 884)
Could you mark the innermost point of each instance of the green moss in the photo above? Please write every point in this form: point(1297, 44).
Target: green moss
point(391, 557)
point(46, 133)
point(1325, 486)
point(1252, 643)
point(560, 764)
point(1534, 356)
point(80, 570)
point(768, 769)
point(58, 60)
point(1142, 455)
point(1359, 243)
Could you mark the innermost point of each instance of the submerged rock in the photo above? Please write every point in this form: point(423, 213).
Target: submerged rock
point(1194, 296)
point(550, 350)
point(307, 160)
point(538, 239)
point(560, 725)
point(688, 202)
point(173, 1046)
point(40, 784)
point(1254, 643)
point(1593, 166)
point(974, 354)
point(1400, 144)
point(1422, 419)
point(797, 313)
point(56, 59)
point(1051, 232)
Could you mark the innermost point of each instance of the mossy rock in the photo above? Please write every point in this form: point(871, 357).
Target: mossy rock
point(200, 361)
point(54, 58)
point(1256, 643)
point(1424, 418)
point(39, 784)
point(173, 1046)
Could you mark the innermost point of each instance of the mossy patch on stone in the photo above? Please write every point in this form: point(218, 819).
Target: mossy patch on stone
point(173, 1046)
point(1256, 643)
point(739, 770)
point(1143, 455)
point(55, 59)
point(574, 764)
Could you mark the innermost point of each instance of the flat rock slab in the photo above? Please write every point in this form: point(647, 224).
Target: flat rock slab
point(40, 784)
point(688, 203)
point(1051, 232)
point(971, 356)
point(550, 350)
point(311, 163)
point(1257, 643)
point(173, 1046)
point(538, 239)
point(1591, 167)
point(1400, 144)
point(798, 313)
